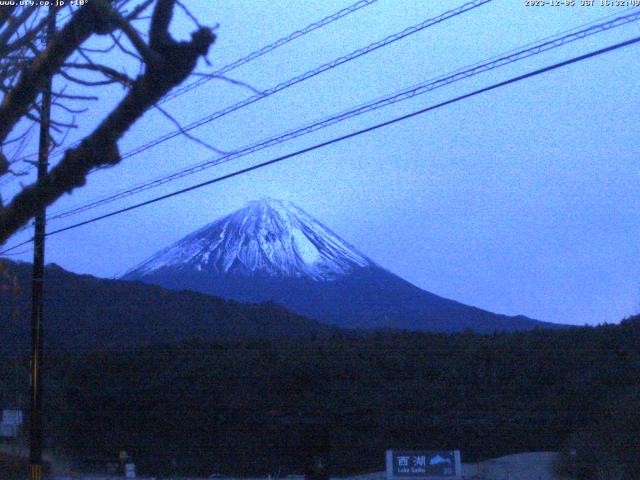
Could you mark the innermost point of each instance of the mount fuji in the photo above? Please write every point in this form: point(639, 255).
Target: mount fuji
point(272, 250)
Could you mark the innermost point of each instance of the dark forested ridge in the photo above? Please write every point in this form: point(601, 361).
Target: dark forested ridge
point(273, 250)
point(367, 298)
point(86, 312)
point(192, 384)
point(256, 406)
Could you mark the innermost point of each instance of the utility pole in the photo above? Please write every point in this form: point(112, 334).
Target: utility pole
point(35, 443)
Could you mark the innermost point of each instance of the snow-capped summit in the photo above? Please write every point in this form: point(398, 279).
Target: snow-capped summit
point(271, 250)
point(267, 237)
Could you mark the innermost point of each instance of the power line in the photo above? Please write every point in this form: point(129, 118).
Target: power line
point(405, 94)
point(22, 252)
point(4, 252)
point(241, 61)
point(457, 99)
point(268, 48)
point(310, 74)
point(338, 139)
point(8, 179)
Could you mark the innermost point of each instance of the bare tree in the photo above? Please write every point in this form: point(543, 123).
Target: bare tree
point(26, 64)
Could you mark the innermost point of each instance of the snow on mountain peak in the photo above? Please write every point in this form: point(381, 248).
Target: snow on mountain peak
point(266, 237)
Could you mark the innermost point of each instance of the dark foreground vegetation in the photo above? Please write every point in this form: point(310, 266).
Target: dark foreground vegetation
point(263, 406)
point(86, 312)
point(16, 467)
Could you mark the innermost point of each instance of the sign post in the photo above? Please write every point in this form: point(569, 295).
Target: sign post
point(129, 470)
point(423, 465)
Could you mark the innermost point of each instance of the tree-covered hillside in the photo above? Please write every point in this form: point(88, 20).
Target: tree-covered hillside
point(85, 312)
point(256, 406)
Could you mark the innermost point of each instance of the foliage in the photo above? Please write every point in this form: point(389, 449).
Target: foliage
point(88, 312)
point(607, 448)
point(253, 406)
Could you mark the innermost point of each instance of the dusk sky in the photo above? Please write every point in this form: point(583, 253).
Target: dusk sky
point(523, 200)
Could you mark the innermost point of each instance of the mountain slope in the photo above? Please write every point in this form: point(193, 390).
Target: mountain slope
point(85, 312)
point(273, 250)
point(267, 238)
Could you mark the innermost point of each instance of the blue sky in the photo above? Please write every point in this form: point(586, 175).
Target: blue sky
point(523, 200)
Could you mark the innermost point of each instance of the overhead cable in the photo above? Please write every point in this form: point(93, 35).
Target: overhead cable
point(405, 94)
point(356, 133)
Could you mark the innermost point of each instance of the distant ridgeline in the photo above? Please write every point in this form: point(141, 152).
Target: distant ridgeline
point(252, 407)
point(85, 312)
point(273, 250)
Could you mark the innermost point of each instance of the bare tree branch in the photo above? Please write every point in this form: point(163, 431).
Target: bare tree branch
point(74, 97)
point(5, 13)
point(147, 53)
point(118, 43)
point(14, 23)
point(174, 62)
point(187, 134)
point(30, 34)
point(135, 14)
point(233, 81)
point(189, 14)
point(86, 83)
point(103, 69)
point(16, 103)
